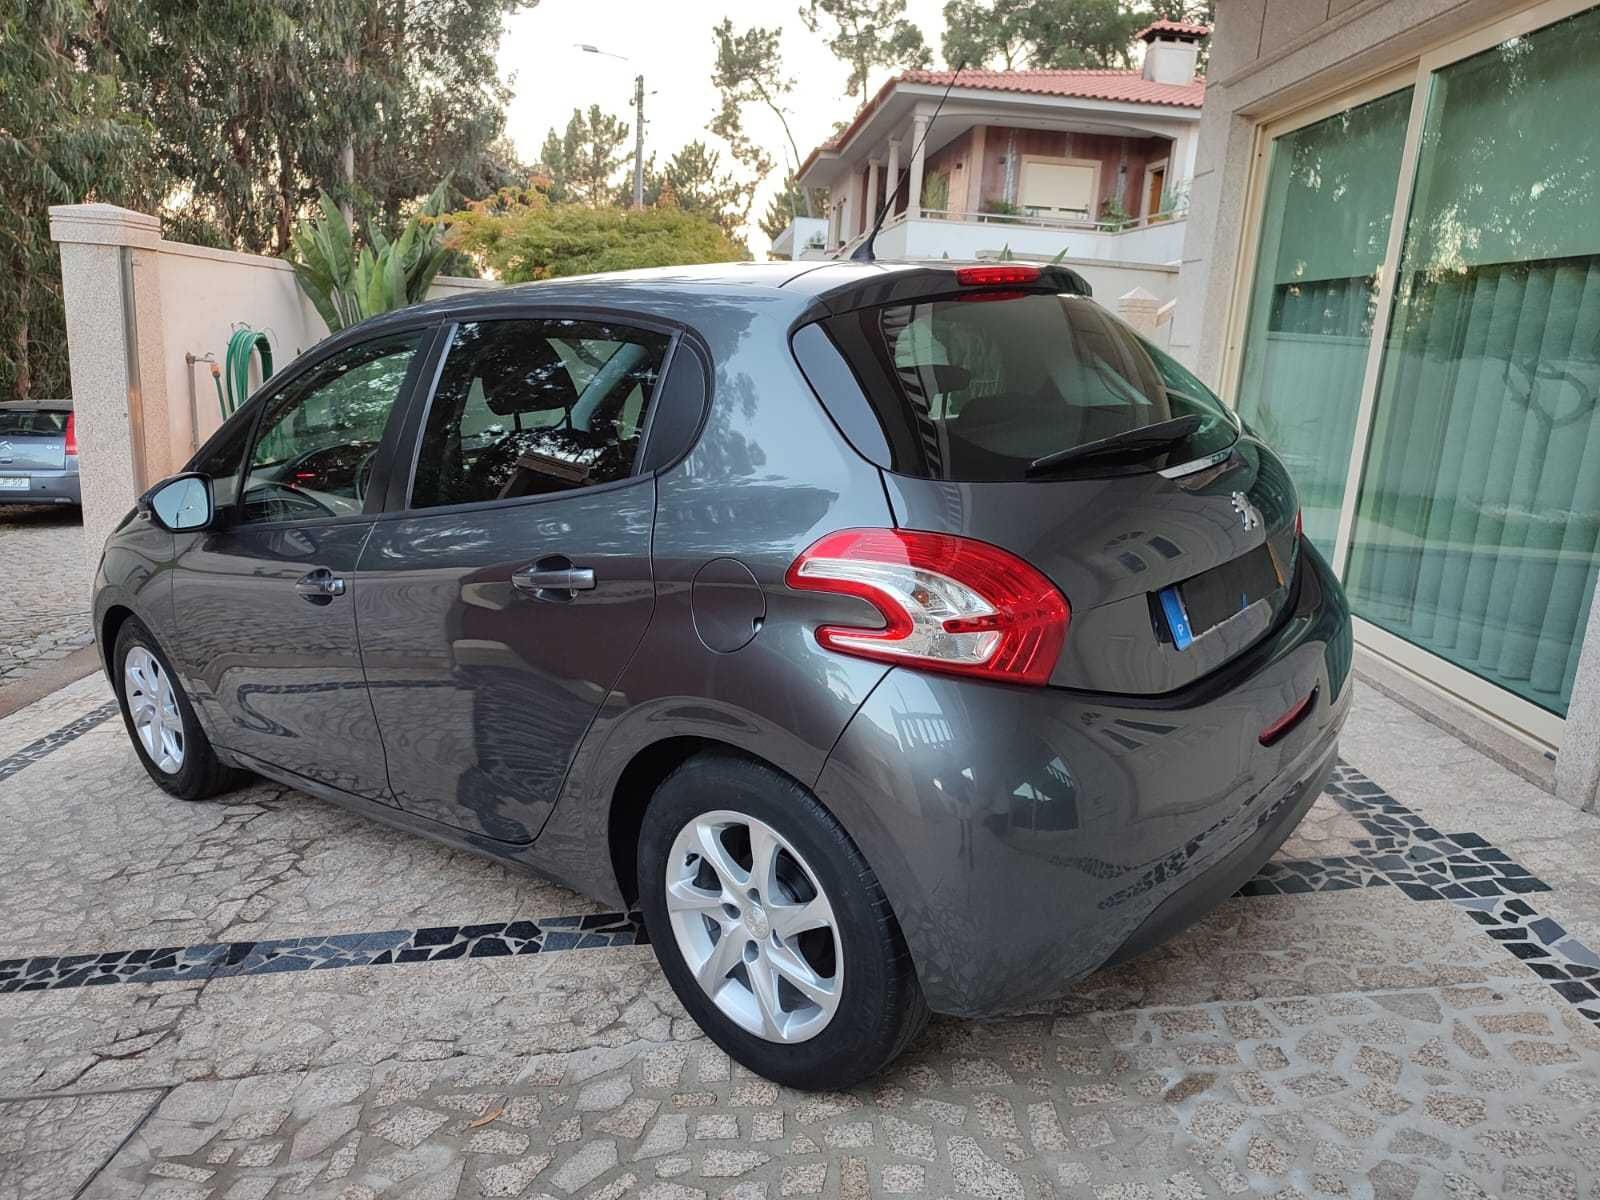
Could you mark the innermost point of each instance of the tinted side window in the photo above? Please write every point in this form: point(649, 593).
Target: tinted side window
point(318, 439)
point(524, 408)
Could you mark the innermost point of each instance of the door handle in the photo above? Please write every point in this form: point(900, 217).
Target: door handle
point(553, 578)
point(320, 586)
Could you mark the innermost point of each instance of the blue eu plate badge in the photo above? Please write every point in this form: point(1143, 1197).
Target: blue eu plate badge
point(1177, 618)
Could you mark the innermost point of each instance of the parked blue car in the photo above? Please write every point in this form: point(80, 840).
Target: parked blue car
point(38, 452)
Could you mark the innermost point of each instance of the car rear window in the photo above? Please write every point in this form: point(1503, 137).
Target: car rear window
point(33, 422)
point(977, 387)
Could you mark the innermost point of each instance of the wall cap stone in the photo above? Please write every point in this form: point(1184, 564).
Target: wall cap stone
point(104, 225)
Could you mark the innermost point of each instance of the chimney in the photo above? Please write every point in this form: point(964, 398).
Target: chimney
point(1171, 50)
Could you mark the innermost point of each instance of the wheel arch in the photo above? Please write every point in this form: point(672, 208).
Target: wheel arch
point(111, 623)
point(638, 782)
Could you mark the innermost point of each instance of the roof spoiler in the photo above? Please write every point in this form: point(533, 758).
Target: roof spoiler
point(904, 284)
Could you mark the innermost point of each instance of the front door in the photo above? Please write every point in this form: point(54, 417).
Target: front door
point(497, 610)
point(265, 599)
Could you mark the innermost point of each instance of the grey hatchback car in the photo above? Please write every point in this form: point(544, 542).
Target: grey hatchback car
point(38, 452)
point(895, 637)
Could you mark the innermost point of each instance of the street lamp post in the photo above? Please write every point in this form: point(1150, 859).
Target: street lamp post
point(638, 121)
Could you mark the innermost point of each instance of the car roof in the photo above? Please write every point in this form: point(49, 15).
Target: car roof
point(680, 293)
point(35, 405)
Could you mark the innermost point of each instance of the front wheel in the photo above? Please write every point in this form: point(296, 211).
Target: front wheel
point(771, 927)
point(161, 723)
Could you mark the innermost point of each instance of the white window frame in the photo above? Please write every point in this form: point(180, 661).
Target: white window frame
point(1505, 709)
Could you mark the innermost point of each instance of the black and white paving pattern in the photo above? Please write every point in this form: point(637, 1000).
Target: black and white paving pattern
point(267, 995)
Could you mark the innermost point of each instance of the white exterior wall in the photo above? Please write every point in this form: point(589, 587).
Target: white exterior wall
point(1156, 244)
point(233, 288)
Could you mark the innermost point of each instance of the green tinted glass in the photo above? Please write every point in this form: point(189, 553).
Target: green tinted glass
point(1476, 527)
point(1329, 203)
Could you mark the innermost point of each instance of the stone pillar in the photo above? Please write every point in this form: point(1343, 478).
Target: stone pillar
point(115, 341)
point(891, 178)
point(919, 130)
point(869, 210)
point(1139, 308)
point(1578, 760)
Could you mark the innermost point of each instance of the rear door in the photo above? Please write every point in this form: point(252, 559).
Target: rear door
point(499, 607)
point(265, 600)
point(1173, 560)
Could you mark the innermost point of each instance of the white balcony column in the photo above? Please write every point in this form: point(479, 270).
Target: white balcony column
point(891, 177)
point(919, 136)
point(869, 210)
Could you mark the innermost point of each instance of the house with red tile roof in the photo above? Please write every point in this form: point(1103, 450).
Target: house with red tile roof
point(1091, 162)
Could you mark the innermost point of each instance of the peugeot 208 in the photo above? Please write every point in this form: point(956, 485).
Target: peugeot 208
point(895, 638)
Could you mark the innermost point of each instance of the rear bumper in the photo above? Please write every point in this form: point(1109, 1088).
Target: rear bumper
point(45, 487)
point(1027, 836)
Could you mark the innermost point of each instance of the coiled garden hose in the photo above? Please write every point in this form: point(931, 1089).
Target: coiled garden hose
point(240, 346)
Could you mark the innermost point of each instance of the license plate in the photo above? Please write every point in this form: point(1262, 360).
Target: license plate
point(14, 483)
point(1198, 605)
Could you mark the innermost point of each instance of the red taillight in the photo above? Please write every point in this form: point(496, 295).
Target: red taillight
point(72, 434)
point(1299, 523)
point(995, 276)
point(948, 603)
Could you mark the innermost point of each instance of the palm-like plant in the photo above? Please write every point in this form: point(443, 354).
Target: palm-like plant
point(345, 285)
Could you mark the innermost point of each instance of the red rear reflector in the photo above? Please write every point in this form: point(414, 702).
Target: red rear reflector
point(72, 434)
point(948, 603)
point(1282, 727)
point(995, 276)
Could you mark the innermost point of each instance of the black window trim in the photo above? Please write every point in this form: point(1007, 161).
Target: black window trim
point(398, 501)
point(427, 344)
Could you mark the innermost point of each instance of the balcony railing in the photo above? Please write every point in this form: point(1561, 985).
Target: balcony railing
point(1022, 220)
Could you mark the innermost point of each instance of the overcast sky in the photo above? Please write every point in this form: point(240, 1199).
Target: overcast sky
point(670, 42)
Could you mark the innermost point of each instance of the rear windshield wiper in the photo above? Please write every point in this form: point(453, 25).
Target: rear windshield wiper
point(1142, 442)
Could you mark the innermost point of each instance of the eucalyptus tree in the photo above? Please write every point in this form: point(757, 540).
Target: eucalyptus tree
point(65, 136)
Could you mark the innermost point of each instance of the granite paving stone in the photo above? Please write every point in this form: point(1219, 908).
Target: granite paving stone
point(1397, 1006)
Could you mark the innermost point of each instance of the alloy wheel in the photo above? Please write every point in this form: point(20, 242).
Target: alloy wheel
point(754, 926)
point(153, 704)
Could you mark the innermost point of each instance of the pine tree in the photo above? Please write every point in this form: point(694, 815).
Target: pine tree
point(866, 34)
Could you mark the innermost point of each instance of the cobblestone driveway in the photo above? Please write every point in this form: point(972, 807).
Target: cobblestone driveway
point(267, 996)
point(44, 597)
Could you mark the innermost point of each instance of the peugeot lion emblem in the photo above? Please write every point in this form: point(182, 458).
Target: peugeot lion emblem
point(1249, 514)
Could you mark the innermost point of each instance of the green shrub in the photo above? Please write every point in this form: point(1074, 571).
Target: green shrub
point(345, 285)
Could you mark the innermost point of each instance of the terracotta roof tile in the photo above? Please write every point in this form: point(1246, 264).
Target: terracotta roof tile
point(1117, 85)
point(1182, 28)
point(1129, 86)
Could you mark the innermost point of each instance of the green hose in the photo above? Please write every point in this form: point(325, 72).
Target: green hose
point(240, 346)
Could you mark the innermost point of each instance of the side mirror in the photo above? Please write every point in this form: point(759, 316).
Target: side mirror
point(180, 504)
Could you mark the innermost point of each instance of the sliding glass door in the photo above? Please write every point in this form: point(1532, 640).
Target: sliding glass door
point(1452, 471)
point(1325, 222)
point(1475, 531)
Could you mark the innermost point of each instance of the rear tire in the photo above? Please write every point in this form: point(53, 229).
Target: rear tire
point(841, 998)
point(154, 707)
